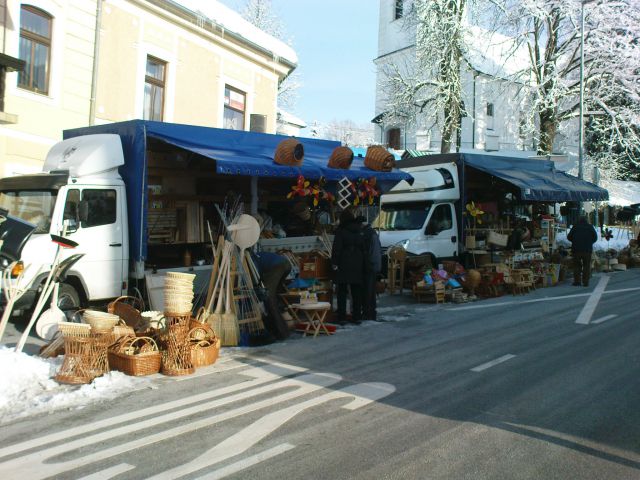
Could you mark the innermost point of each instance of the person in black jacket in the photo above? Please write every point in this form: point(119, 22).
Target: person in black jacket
point(582, 237)
point(347, 259)
point(372, 267)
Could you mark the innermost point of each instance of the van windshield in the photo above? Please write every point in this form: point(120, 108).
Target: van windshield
point(402, 216)
point(31, 206)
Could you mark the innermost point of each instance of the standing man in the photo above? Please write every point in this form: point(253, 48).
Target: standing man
point(372, 268)
point(348, 263)
point(582, 237)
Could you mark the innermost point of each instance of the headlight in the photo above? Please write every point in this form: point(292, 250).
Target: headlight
point(405, 243)
point(17, 270)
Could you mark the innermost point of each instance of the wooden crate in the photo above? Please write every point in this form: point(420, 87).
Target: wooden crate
point(314, 266)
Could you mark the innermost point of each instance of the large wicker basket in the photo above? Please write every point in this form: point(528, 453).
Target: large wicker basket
point(379, 159)
point(136, 356)
point(341, 157)
point(128, 309)
point(289, 152)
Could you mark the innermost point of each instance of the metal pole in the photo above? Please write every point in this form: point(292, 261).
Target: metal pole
point(581, 131)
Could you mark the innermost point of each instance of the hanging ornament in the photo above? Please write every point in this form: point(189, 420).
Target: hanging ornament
point(344, 193)
point(475, 212)
point(300, 189)
point(367, 190)
point(319, 193)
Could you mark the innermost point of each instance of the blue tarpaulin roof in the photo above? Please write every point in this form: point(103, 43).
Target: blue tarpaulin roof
point(234, 152)
point(536, 180)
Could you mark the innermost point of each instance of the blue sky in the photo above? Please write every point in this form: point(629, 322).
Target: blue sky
point(336, 42)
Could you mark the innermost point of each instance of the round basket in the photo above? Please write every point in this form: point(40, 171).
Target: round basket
point(100, 320)
point(341, 157)
point(205, 352)
point(137, 356)
point(379, 159)
point(289, 152)
point(128, 309)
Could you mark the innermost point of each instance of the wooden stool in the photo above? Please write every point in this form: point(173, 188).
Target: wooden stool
point(396, 257)
point(315, 314)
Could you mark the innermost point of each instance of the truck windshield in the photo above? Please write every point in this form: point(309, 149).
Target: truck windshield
point(402, 216)
point(30, 205)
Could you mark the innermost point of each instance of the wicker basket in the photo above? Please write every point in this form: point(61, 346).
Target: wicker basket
point(341, 157)
point(205, 352)
point(379, 159)
point(289, 152)
point(136, 356)
point(128, 309)
point(200, 331)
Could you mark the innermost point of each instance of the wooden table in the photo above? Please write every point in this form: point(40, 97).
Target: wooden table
point(315, 314)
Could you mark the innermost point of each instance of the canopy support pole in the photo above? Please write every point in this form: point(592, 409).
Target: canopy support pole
point(254, 195)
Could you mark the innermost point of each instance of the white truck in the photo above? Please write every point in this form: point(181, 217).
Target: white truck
point(427, 218)
point(424, 217)
point(81, 193)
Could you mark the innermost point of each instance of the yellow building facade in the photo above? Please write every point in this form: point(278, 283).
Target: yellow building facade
point(101, 61)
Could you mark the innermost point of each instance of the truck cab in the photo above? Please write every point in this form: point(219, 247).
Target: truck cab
point(79, 195)
point(422, 217)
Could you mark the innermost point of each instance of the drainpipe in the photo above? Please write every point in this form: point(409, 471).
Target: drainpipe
point(473, 116)
point(94, 73)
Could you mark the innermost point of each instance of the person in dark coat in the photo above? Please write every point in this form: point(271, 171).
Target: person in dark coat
point(582, 237)
point(347, 259)
point(372, 267)
point(273, 269)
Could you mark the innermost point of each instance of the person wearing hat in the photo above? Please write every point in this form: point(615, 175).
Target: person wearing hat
point(300, 223)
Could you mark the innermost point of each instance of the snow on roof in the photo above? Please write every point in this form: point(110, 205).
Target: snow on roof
point(286, 117)
point(232, 21)
point(495, 54)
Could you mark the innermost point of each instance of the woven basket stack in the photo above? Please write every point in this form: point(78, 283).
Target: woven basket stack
point(379, 159)
point(178, 293)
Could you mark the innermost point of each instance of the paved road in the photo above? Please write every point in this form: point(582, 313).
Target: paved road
point(542, 386)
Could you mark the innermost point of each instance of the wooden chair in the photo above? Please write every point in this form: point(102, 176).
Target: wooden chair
point(396, 257)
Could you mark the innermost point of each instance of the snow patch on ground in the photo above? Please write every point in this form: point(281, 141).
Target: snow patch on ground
point(619, 241)
point(27, 386)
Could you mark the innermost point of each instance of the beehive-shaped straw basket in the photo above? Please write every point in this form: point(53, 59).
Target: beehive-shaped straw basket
point(379, 159)
point(341, 157)
point(289, 152)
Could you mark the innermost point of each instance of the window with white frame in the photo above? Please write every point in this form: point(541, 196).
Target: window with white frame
point(154, 85)
point(234, 108)
point(35, 49)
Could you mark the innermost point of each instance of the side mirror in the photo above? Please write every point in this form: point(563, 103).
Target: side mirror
point(431, 229)
point(83, 211)
point(70, 225)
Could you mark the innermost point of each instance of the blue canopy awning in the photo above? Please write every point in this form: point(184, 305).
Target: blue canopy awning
point(537, 180)
point(233, 152)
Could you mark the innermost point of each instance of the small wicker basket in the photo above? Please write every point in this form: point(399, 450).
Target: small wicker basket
point(379, 159)
point(136, 356)
point(341, 157)
point(205, 352)
point(289, 152)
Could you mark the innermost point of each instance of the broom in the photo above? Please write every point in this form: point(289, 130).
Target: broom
point(229, 330)
point(215, 319)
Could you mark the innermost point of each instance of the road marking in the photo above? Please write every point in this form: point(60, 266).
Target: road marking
point(604, 319)
point(535, 300)
point(590, 307)
point(492, 363)
point(110, 472)
point(240, 442)
point(38, 465)
point(247, 462)
point(260, 376)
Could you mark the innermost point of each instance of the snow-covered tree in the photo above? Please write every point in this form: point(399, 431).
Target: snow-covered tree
point(261, 14)
point(550, 30)
point(346, 132)
point(430, 80)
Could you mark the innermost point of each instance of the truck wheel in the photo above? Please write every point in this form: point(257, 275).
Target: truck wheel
point(68, 298)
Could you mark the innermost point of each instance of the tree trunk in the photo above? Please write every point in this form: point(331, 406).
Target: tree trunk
point(548, 129)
